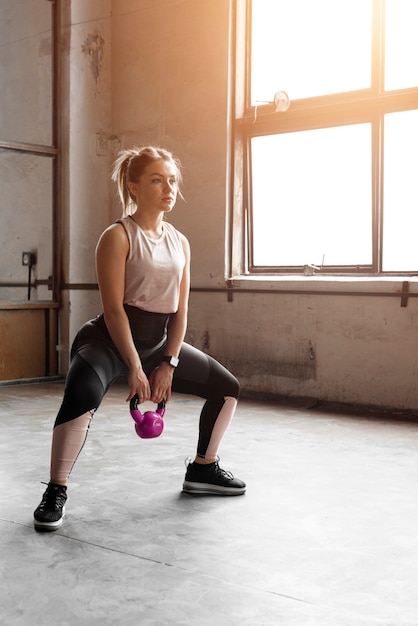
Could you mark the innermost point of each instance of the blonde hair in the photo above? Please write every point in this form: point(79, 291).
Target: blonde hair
point(129, 167)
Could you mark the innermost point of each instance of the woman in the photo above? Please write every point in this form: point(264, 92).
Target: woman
point(142, 265)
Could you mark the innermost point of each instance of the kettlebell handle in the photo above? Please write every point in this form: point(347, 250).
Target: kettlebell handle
point(133, 405)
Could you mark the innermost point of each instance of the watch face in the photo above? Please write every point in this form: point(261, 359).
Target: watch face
point(172, 360)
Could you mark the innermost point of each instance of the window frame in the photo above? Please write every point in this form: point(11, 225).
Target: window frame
point(362, 106)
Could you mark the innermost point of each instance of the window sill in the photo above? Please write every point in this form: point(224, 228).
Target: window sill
point(317, 281)
point(384, 286)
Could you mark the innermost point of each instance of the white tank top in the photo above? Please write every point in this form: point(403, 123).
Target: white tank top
point(154, 268)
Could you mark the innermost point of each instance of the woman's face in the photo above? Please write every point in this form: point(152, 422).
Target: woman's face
point(157, 187)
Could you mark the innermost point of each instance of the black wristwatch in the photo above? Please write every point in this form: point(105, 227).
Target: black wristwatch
point(171, 360)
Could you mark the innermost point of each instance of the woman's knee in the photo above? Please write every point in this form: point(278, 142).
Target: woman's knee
point(84, 391)
point(223, 382)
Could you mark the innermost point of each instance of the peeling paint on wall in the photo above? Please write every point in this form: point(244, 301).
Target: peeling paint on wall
point(93, 48)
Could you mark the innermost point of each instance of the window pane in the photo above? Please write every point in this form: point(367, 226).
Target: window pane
point(312, 197)
point(400, 221)
point(26, 72)
point(401, 67)
point(26, 182)
point(306, 48)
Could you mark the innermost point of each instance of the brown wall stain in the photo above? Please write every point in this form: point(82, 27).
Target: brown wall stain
point(93, 48)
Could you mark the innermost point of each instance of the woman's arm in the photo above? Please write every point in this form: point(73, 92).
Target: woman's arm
point(111, 252)
point(162, 377)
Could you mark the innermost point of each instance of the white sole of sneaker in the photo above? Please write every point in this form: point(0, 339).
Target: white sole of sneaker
point(216, 490)
point(49, 526)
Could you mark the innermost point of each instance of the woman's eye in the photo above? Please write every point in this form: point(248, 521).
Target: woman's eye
point(172, 181)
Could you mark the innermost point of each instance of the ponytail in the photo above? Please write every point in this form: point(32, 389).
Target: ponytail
point(130, 165)
point(120, 176)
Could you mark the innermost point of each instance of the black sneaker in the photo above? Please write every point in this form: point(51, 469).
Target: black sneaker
point(211, 479)
point(49, 514)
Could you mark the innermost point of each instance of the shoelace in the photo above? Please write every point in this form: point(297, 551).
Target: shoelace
point(223, 472)
point(53, 497)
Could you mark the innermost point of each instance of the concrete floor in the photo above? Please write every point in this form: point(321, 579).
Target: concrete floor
point(326, 534)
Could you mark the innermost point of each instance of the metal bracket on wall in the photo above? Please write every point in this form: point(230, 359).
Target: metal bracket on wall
point(230, 290)
point(405, 290)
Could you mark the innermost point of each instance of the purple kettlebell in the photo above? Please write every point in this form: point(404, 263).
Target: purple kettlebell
point(149, 424)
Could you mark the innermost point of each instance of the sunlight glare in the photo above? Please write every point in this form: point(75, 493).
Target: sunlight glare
point(310, 48)
point(312, 197)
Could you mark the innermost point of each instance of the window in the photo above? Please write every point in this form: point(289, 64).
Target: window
point(29, 167)
point(330, 183)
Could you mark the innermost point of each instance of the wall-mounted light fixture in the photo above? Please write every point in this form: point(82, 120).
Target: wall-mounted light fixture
point(280, 100)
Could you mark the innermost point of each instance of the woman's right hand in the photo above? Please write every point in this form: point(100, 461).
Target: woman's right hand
point(138, 384)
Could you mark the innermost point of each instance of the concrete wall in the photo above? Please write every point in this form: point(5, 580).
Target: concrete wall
point(157, 72)
point(87, 155)
point(170, 86)
point(25, 116)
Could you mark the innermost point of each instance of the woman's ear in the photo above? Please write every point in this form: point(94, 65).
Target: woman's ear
point(132, 189)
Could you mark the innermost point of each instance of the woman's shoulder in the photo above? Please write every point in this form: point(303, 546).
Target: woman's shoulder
point(115, 234)
point(125, 222)
point(172, 229)
point(181, 239)
point(116, 229)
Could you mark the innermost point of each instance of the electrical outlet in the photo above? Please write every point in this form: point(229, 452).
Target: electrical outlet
point(28, 259)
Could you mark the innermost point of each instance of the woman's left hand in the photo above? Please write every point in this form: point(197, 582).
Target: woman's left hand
point(160, 382)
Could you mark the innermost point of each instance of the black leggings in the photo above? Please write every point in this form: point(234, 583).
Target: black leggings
point(96, 364)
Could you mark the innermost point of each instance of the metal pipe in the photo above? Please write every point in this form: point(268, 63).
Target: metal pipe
point(296, 292)
point(304, 292)
point(28, 148)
